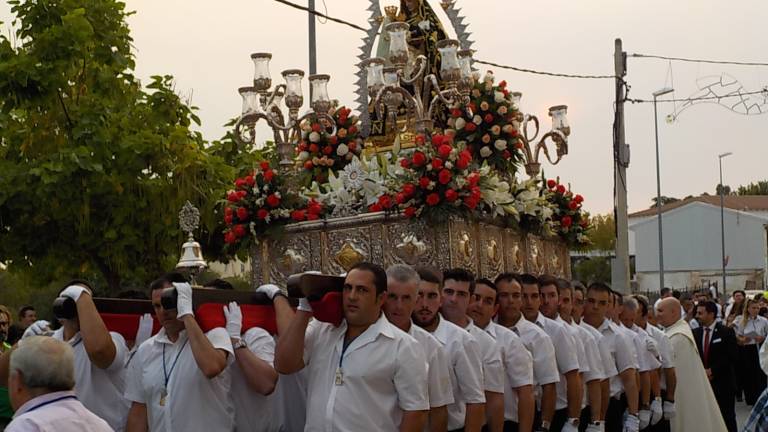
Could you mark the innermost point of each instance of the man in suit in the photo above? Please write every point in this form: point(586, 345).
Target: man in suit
point(717, 348)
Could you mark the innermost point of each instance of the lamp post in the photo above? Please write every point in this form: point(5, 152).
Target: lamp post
point(722, 214)
point(656, 94)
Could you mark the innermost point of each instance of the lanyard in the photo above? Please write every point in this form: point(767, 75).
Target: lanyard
point(167, 373)
point(50, 402)
point(339, 380)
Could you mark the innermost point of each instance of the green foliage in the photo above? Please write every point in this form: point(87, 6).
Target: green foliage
point(664, 200)
point(603, 233)
point(95, 168)
point(595, 269)
point(759, 188)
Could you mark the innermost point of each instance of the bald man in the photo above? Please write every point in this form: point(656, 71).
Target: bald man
point(696, 406)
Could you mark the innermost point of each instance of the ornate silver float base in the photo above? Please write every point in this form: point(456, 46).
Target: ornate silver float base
point(335, 245)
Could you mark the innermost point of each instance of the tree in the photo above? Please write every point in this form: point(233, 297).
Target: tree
point(664, 200)
point(94, 167)
point(594, 269)
point(726, 189)
point(759, 188)
point(603, 233)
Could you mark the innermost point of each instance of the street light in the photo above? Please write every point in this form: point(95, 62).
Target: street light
point(722, 213)
point(656, 94)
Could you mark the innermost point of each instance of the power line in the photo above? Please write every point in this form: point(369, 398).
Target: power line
point(763, 91)
point(330, 18)
point(689, 60)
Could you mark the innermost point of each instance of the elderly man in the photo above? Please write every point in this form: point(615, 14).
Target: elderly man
point(695, 402)
point(41, 382)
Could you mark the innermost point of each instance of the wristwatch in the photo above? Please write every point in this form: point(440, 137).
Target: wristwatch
point(545, 425)
point(239, 344)
point(573, 422)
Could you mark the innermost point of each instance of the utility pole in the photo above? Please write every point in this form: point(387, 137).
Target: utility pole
point(620, 266)
point(312, 43)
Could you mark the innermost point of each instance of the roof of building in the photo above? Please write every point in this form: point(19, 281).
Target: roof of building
point(735, 202)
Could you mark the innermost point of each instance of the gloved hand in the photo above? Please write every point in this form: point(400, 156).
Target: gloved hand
point(596, 427)
point(569, 427)
point(145, 329)
point(74, 292)
point(669, 410)
point(657, 411)
point(304, 305)
point(645, 418)
point(37, 328)
point(184, 299)
point(234, 320)
point(631, 423)
point(270, 290)
point(652, 346)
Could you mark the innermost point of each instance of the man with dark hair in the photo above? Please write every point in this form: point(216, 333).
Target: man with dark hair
point(458, 287)
point(467, 412)
point(27, 316)
point(365, 374)
point(596, 312)
point(536, 340)
point(519, 401)
point(719, 353)
point(219, 284)
point(579, 294)
point(178, 379)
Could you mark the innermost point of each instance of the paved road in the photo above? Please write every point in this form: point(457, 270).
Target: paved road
point(742, 413)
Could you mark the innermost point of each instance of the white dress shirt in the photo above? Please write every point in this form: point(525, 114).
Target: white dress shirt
point(368, 386)
point(192, 401)
point(566, 354)
point(56, 412)
point(518, 366)
point(493, 368)
point(252, 410)
point(542, 350)
point(438, 366)
point(646, 360)
point(622, 351)
point(756, 326)
point(101, 390)
point(466, 363)
point(604, 349)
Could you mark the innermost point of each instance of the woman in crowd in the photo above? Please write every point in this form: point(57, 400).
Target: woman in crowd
point(751, 331)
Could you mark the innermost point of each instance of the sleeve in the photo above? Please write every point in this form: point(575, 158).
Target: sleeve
point(592, 354)
point(440, 391)
point(544, 362)
point(764, 358)
point(261, 344)
point(519, 363)
point(468, 369)
point(626, 356)
point(23, 424)
point(134, 388)
point(219, 338)
point(609, 366)
point(493, 368)
point(649, 362)
point(738, 326)
point(411, 377)
point(665, 349)
point(310, 336)
point(565, 351)
point(121, 353)
point(585, 365)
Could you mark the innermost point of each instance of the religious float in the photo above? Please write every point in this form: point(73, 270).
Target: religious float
point(428, 171)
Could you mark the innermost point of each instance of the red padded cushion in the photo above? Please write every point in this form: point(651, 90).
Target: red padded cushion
point(211, 315)
point(329, 309)
point(126, 324)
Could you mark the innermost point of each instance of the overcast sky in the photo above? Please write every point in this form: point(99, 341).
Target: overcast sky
point(206, 46)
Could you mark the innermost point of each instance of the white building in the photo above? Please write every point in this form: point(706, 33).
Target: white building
point(692, 244)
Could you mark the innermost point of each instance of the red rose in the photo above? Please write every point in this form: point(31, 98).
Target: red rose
point(242, 213)
point(445, 176)
point(313, 148)
point(505, 91)
point(473, 179)
point(242, 194)
point(375, 207)
point(560, 189)
point(471, 202)
point(424, 182)
point(419, 159)
point(239, 230)
point(409, 189)
point(308, 165)
point(233, 197)
point(419, 140)
point(488, 118)
point(327, 150)
point(314, 207)
point(311, 216)
point(240, 183)
point(438, 140)
point(262, 214)
point(472, 106)
point(551, 184)
point(451, 195)
point(573, 205)
point(410, 212)
point(502, 84)
point(269, 175)
point(264, 165)
point(228, 211)
point(437, 163)
point(342, 118)
point(433, 199)
point(405, 163)
point(385, 201)
point(316, 127)
point(229, 237)
point(352, 129)
point(302, 146)
point(455, 113)
point(228, 219)
point(273, 200)
point(462, 163)
point(298, 215)
point(401, 197)
point(584, 223)
point(333, 140)
point(250, 180)
point(506, 154)
point(470, 127)
point(444, 151)
point(352, 146)
point(566, 221)
point(474, 191)
point(579, 199)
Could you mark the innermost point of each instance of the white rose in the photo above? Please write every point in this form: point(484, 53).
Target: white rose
point(451, 122)
point(448, 165)
point(425, 25)
point(486, 151)
point(498, 97)
point(342, 149)
point(314, 137)
point(303, 156)
point(477, 120)
point(500, 145)
point(488, 78)
point(460, 123)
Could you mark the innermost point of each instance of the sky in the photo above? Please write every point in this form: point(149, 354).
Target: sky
point(206, 46)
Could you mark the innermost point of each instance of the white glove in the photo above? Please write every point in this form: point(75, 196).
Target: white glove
point(568, 427)
point(669, 410)
point(270, 290)
point(38, 328)
point(645, 418)
point(652, 346)
point(74, 292)
point(425, 25)
point(234, 320)
point(656, 411)
point(304, 305)
point(145, 329)
point(184, 299)
point(596, 427)
point(631, 423)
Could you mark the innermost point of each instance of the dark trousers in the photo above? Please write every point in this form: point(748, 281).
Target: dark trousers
point(752, 376)
point(726, 400)
point(510, 426)
point(558, 420)
point(614, 417)
point(585, 418)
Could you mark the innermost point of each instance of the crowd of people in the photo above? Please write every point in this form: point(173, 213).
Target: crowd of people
point(417, 350)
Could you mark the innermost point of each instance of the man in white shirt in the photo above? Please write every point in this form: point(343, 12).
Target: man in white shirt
point(40, 387)
point(535, 339)
point(599, 304)
point(365, 374)
point(402, 291)
point(568, 401)
point(467, 412)
point(178, 379)
point(519, 402)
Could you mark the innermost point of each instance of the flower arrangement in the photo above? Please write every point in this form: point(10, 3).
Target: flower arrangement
point(322, 149)
point(571, 222)
point(489, 128)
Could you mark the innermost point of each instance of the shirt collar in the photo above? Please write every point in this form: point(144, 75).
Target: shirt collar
point(441, 332)
point(46, 398)
point(712, 326)
point(162, 337)
point(606, 325)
